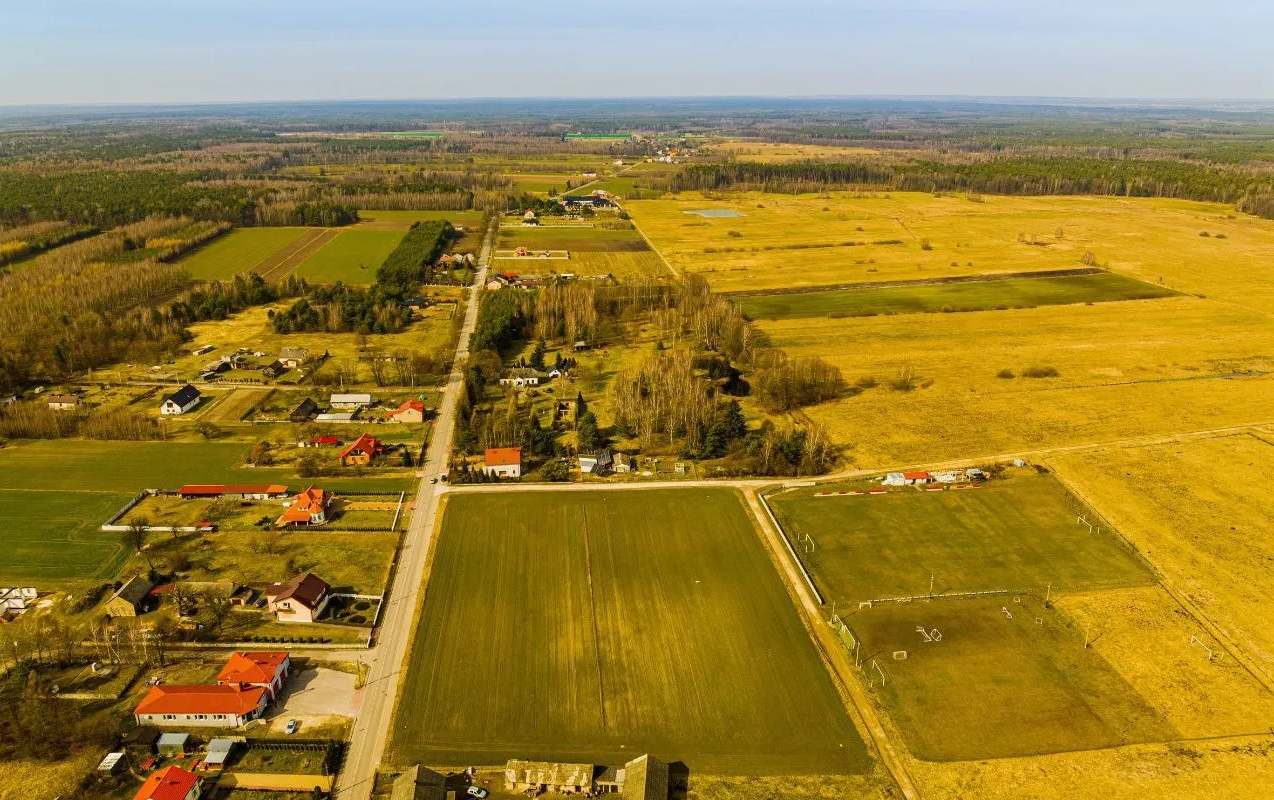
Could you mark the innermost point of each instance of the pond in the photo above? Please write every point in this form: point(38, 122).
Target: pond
point(714, 213)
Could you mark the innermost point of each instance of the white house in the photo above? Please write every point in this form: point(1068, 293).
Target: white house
point(293, 357)
point(64, 402)
point(503, 462)
point(894, 479)
point(301, 599)
point(521, 377)
point(201, 706)
point(180, 401)
point(350, 401)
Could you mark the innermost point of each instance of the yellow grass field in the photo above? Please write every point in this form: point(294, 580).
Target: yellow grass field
point(234, 406)
point(619, 264)
point(1126, 369)
point(1201, 512)
point(775, 152)
point(1148, 239)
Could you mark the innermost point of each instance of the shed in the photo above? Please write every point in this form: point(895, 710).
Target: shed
point(112, 763)
point(419, 783)
point(174, 744)
point(219, 752)
point(141, 740)
point(305, 412)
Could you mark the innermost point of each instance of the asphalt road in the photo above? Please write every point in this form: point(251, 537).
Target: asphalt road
point(375, 718)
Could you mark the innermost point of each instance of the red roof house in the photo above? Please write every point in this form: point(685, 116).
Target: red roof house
point(361, 451)
point(325, 441)
point(211, 706)
point(267, 670)
point(170, 783)
point(504, 462)
point(308, 508)
point(410, 411)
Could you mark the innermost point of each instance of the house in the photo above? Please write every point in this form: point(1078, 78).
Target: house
point(419, 783)
point(274, 369)
point(521, 376)
point(893, 479)
point(264, 670)
point(361, 451)
point(412, 411)
point(301, 599)
point(547, 776)
point(250, 491)
point(558, 372)
point(171, 783)
point(200, 706)
point(582, 345)
point(180, 401)
point(503, 462)
point(336, 416)
point(497, 282)
point(324, 441)
point(293, 357)
point(917, 478)
point(205, 348)
point(308, 508)
point(132, 599)
point(350, 401)
point(63, 402)
point(305, 412)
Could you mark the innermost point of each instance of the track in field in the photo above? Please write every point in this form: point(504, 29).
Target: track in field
point(295, 254)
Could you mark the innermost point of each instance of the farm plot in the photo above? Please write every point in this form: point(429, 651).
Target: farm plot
point(980, 295)
point(1018, 533)
point(400, 220)
point(240, 251)
point(50, 539)
point(236, 405)
point(352, 257)
point(608, 629)
point(593, 251)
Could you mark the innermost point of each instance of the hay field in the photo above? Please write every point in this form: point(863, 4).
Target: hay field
point(50, 538)
point(1201, 510)
point(867, 301)
point(1149, 239)
point(1139, 368)
point(352, 257)
point(401, 220)
point(621, 265)
point(613, 624)
point(239, 251)
point(779, 152)
point(1014, 533)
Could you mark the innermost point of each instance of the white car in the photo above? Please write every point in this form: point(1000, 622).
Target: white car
point(478, 792)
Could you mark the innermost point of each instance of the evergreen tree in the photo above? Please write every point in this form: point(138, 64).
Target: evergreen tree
point(590, 438)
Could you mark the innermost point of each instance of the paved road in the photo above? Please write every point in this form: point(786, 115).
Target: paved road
point(375, 718)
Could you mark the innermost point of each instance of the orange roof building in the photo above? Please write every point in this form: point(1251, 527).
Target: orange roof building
point(170, 783)
point(503, 462)
point(410, 411)
point(211, 706)
point(308, 508)
point(361, 451)
point(248, 491)
point(263, 670)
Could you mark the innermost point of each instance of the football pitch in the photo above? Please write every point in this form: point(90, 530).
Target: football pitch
point(590, 626)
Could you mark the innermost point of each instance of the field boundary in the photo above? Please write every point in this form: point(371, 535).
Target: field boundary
point(986, 277)
point(809, 579)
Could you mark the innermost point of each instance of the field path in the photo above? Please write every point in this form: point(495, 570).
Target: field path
point(295, 254)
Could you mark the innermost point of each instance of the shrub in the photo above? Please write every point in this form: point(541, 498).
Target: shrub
point(1007, 374)
point(1039, 372)
point(734, 234)
point(1204, 234)
point(867, 382)
point(925, 245)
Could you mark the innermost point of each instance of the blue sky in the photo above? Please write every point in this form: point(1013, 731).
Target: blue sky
point(107, 51)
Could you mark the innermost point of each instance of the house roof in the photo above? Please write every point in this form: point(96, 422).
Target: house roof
point(213, 489)
point(200, 699)
point(410, 405)
point(308, 502)
point(307, 406)
point(184, 396)
point(523, 372)
point(73, 399)
point(293, 352)
point(170, 783)
point(275, 365)
point(916, 476)
point(325, 440)
point(135, 590)
point(502, 456)
point(307, 589)
point(365, 443)
point(252, 667)
point(419, 783)
point(351, 398)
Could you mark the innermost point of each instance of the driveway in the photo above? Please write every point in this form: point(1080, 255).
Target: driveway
point(315, 692)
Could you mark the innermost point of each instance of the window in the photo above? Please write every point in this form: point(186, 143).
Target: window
point(170, 716)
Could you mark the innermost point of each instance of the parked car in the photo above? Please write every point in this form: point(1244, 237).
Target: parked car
point(292, 726)
point(478, 792)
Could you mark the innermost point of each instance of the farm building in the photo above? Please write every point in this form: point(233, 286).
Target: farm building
point(419, 783)
point(917, 478)
point(305, 412)
point(180, 401)
point(521, 376)
point(336, 416)
point(201, 706)
point(171, 783)
point(267, 670)
point(293, 357)
point(308, 508)
point(14, 600)
point(63, 402)
point(361, 451)
point(350, 401)
point(324, 441)
point(412, 411)
point(496, 282)
point(894, 479)
point(503, 462)
point(548, 776)
point(301, 599)
point(274, 369)
point(132, 599)
point(258, 491)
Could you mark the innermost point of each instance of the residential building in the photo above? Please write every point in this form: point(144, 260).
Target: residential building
point(521, 376)
point(324, 441)
point(63, 402)
point(261, 670)
point(201, 706)
point(301, 599)
point(419, 783)
point(171, 783)
point(305, 412)
point(293, 357)
point(600, 464)
point(412, 411)
point(180, 401)
point(308, 508)
point(274, 369)
point(361, 451)
point(503, 462)
point(349, 402)
point(251, 491)
point(132, 599)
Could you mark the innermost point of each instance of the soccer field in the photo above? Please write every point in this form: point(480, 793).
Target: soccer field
point(1013, 533)
point(589, 626)
point(49, 539)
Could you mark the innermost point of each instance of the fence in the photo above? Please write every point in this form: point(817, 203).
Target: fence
point(809, 579)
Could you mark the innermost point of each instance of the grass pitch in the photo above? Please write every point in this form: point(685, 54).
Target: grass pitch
point(593, 626)
point(239, 252)
point(1013, 533)
point(1102, 287)
point(50, 539)
point(352, 257)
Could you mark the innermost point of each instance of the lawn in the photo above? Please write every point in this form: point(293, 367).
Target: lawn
point(352, 257)
point(1012, 533)
point(592, 626)
point(1006, 679)
point(1102, 287)
point(50, 538)
point(238, 252)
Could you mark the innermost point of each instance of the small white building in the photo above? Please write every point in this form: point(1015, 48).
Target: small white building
point(180, 401)
point(350, 401)
point(503, 462)
point(63, 402)
point(293, 357)
point(893, 479)
point(336, 416)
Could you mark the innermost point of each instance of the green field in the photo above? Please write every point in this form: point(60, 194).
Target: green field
point(998, 686)
point(49, 539)
point(589, 626)
point(986, 295)
point(1012, 533)
point(454, 217)
point(238, 252)
point(352, 257)
point(599, 240)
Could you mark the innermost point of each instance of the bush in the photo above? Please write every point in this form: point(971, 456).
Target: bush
point(1007, 374)
point(1039, 372)
point(866, 382)
point(734, 234)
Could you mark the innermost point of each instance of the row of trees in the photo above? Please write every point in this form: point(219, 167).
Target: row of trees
point(410, 263)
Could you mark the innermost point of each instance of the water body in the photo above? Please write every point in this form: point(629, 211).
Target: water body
point(714, 213)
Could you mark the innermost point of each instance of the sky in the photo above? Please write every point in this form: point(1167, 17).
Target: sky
point(181, 51)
